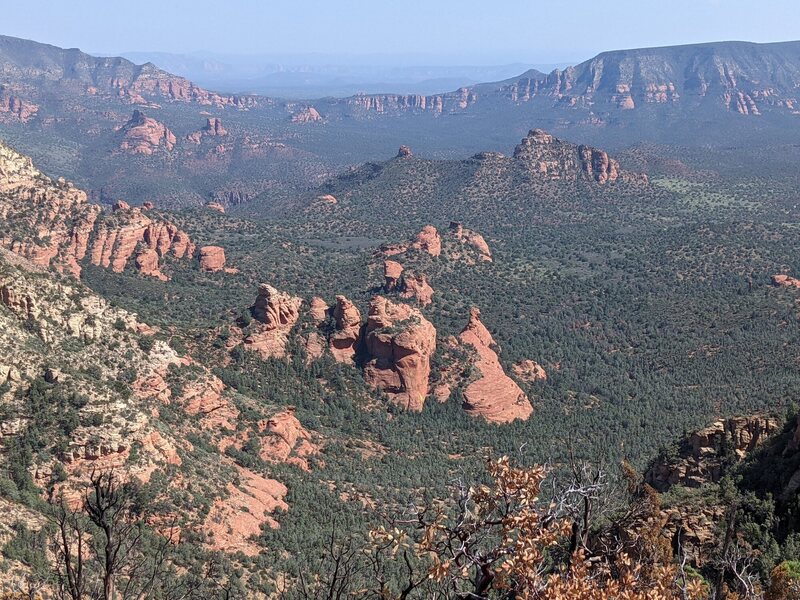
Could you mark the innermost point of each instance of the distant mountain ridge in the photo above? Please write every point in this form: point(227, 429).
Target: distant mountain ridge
point(28, 64)
point(69, 110)
point(744, 77)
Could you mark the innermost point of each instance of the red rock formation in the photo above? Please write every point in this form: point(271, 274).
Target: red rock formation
point(286, 440)
point(392, 274)
point(494, 395)
point(314, 345)
point(530, 371)
point(147, 263)
point(551, 158)
point(308, 114)
point(408, 285)
point(212, 258)
point(319, 310)
point(235, 519)
point(404, 151)
point(701, 455)
point(275, 314)
point(781, 280)
point(145, 135)
point(597, 165)
point(417, 287)
point(428, 240)
point(205, 397)
point(214, 127)
point(147, 205)
point(344, 340)
point(471, 238)
point(400, 342)
point(16, 107)
point(57, 216)
point(216, 206)
point(117, 238)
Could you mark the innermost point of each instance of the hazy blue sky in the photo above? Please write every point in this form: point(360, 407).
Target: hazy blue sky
point(455, 31)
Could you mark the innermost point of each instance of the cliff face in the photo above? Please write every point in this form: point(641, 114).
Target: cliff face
point(736, 76)
point(397, 103)
point(53, 224)
point(400, 342)
point(702, 455)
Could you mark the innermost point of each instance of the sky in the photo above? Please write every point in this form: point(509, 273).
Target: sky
point(442, 32)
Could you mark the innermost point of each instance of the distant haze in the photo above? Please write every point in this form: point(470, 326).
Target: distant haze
point(345, 46)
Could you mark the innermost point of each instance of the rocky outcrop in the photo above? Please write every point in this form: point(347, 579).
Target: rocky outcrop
point(212, 128)
point(284, 439)
point(347, 334)
point(529, 371)
point(145, 135)
point(701, 456)
point(428, 241)
point(15, 107)
point(236, 519)
point(392, 275)
point(473, 240)
point(319, 311)
point(406, 284)
point(53, 223)
point(306, 114)
point(116, 238)
point(212, 259)
point(404, 152)
point(493, 395)
point(275, 314)
point(782, 280)
point(216, 206)
point(400, 103)
point(400, 343)
point(546, 156)
point(147, 263)
point(49, 222)
point(416, 287)
point(597, 165)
